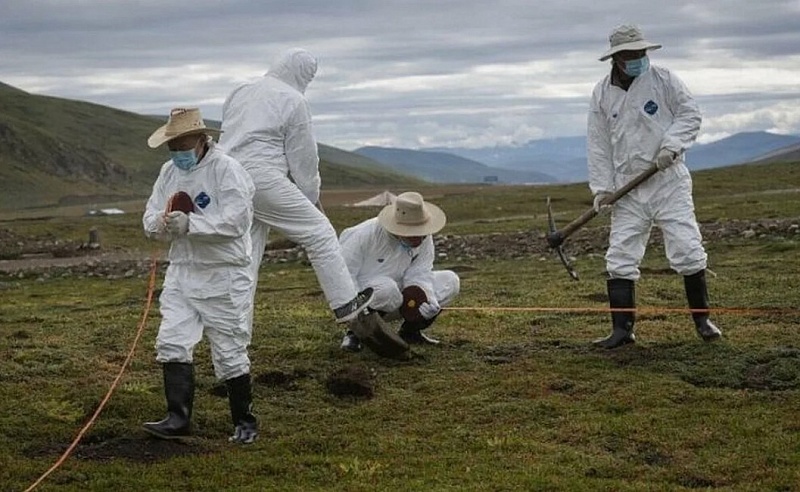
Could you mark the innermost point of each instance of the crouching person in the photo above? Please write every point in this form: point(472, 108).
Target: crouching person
point(202, 204)
point(393, 254)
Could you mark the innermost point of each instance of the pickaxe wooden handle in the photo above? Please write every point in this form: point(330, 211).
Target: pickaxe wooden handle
point(555, 238)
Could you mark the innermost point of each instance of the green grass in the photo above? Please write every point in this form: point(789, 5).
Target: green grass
point(513, 400)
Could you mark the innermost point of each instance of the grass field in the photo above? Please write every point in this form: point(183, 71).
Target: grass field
point(514, 399)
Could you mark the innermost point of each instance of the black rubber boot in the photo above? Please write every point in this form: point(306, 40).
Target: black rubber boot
point(621, 295)
point(411, 332)
point(697, 295)
point(240, 398)
point(179, 390)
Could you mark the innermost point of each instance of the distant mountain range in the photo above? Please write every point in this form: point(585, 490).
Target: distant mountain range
point(740, 148)
point(442, 167)
point(564, 158)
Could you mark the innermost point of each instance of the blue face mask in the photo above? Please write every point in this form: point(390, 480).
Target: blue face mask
point(183, 159)
point(634, 68)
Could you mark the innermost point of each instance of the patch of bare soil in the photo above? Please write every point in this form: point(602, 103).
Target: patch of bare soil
point(351, 381)
point(283, 380)
point(143, 449)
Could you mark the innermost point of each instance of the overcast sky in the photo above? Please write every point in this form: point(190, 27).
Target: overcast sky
point(414, 73)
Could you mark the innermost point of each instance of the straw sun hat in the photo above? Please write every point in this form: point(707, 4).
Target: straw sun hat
point(182, 121)
point(409, 215)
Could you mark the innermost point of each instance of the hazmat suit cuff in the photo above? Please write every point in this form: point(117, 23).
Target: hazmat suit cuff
point(596, 190)
point(673, 145)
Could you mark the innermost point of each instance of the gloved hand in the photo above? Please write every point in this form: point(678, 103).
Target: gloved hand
point(429, 309)
point(177, 223)
point(598, 198)
point(665, 158)
point(161, 224)
point(161, 233)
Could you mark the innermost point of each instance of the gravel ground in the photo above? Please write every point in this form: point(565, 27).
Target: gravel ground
point(48, 257)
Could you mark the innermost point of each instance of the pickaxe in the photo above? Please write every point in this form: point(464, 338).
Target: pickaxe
point(556, 238)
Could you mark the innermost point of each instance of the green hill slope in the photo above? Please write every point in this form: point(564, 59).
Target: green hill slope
point(342, 169)
point(60, 151)
point(52, 149)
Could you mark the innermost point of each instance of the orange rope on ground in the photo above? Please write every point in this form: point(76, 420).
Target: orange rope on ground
point(140, 330)
point(645, 310)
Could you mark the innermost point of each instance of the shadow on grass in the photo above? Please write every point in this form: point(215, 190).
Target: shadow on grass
point(716, 365)
point(704, 365)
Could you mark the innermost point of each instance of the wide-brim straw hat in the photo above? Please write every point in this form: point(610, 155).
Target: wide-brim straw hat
point(409, 215)
point(182, 121)
point(627, 38)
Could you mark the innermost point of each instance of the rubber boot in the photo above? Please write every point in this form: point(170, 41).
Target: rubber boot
point(411, 332)
point(179, 391)
point(240, 398)
point(621, 295)
point(697, 295)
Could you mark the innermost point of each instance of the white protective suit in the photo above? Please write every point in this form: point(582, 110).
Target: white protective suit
point(626, 130)
point(267, 127)
point(377, 259)
point(208, 281)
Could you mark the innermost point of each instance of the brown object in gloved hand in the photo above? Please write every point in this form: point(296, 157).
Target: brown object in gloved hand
point(180, 201)
point(413, 296)
point(378, 336)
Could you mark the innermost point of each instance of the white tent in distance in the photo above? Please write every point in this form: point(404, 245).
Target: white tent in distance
point(380, 200)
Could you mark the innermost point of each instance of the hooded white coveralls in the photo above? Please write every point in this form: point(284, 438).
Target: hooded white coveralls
point(267, 127)
point(208, 281)
point(626, 129)
point(377, 259)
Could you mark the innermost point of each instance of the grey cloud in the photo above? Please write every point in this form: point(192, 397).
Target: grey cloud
point(117, 52)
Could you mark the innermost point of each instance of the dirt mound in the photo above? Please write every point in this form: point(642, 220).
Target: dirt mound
point(46, 257)
point(15, 246)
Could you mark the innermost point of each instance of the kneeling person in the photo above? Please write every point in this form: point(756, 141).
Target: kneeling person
point(202, 203)
point(393, 254)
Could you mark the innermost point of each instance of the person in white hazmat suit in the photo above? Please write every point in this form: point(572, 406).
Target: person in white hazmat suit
point(202, 204)
point(395, 251)
point(267, 127)
point(640, 115)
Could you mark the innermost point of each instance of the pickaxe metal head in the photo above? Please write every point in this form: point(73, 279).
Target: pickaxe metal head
point(555, 239)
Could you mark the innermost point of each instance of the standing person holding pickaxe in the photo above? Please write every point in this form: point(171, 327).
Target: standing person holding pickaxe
point(641, 114)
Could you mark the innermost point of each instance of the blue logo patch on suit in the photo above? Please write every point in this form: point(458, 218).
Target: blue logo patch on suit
point(202, 199)
point(650, 107)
